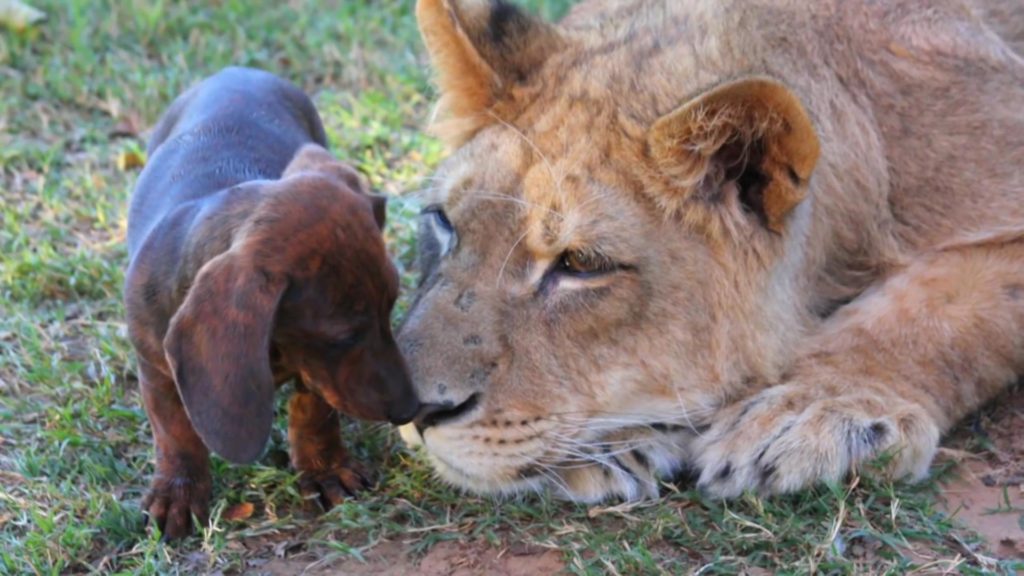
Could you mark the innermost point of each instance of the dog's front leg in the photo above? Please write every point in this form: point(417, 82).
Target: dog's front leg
point(182, 486)
point(888, 373)
point(326, 471)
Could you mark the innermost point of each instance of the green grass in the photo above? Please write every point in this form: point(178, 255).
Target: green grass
point(75, 452)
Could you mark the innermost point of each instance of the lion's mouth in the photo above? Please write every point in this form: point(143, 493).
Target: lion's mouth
point(442, 413)
point(622, 463)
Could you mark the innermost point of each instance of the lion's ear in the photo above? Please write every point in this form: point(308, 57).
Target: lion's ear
point(481, 49)
point(752, 133)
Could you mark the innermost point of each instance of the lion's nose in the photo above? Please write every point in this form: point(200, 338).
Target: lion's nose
point(434, 414)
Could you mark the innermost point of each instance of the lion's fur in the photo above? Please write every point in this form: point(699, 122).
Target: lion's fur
point(812, 304)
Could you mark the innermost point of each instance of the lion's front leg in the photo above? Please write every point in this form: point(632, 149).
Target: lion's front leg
point(791, 436)
point(886, 375)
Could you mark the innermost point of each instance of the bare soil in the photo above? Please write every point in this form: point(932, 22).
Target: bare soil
point(444, 559)
point(987, 491)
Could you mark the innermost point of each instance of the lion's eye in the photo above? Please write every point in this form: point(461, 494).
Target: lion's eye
point(441, 227)
point(583, 263)
point(442, 219)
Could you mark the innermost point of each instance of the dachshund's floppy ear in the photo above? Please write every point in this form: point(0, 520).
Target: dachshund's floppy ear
point(218, 346)
point(379, 203)
point(315, 159)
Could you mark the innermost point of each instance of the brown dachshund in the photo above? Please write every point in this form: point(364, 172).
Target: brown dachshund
point(256, 258)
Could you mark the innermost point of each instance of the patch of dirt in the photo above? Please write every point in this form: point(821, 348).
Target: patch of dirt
point(987, 491)
point(444, 559)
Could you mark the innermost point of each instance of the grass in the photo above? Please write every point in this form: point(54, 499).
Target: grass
point(76, 93)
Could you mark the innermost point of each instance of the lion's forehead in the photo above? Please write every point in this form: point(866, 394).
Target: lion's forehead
point(568, 186)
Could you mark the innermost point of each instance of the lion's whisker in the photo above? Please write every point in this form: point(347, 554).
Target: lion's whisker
point(685, 421)
point(553, 477)
point(543, 157)
point(497, 281)
point(418, 193)
point(600, 443)
point(514, 200)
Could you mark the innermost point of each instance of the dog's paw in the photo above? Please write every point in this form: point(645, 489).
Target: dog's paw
point(788, 437)
point(331, 486)
point(173, 501)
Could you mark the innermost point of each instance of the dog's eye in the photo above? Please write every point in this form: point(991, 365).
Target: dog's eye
point(441, 227)
point(343, 345)
point(584, 263)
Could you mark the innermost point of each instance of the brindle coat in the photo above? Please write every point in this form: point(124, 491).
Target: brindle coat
point(256, 258)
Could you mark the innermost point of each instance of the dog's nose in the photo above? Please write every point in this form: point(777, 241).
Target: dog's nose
point(434, 414)
point(404, 414)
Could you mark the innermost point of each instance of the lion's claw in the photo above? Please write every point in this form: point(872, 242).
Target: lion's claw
point(785, 439)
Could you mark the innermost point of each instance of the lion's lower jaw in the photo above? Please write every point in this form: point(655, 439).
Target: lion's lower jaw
point(635, 474)
point(591, 483)
point(629, 476)
point(494, 485)
point(498, 484)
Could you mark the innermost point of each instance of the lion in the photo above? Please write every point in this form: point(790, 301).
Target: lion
point(765, 244)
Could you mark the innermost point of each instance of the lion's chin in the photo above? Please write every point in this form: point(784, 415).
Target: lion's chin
point(490, 485)
point(626, 475)
point(586, 484)
point(495, 482)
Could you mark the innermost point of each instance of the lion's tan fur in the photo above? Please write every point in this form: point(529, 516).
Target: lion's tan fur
point(916, 105)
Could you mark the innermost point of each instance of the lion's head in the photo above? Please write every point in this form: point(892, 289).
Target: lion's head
point(611, 252)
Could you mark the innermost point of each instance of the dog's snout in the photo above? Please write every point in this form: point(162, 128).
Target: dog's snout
point(433, 414)
point(394, 378)
point(404, 413)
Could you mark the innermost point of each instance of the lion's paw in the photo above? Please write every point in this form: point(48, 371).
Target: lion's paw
point(787, 438)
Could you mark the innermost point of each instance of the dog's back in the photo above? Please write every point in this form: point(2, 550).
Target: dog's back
point(239, 125)
point(239, 205)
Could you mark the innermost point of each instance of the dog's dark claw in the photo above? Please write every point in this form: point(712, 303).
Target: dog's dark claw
point(173, 505)
point(332, 487)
